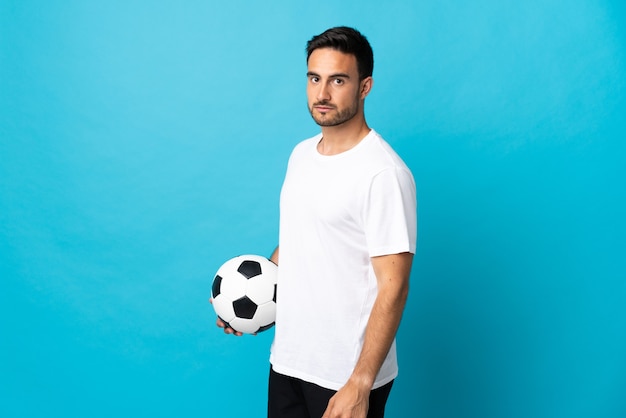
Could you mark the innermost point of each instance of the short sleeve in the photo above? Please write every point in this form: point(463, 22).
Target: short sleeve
point(390, 213)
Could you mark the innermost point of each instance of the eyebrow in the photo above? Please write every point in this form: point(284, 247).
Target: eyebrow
point(336, 75)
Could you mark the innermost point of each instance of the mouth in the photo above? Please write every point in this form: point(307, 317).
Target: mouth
point(323, 108)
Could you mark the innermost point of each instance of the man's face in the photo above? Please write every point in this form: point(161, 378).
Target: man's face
point(334, 91)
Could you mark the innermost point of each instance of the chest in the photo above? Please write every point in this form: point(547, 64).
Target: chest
point(329, 193)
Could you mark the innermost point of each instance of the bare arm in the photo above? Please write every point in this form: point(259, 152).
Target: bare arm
point(274, 256)
point(392, 275)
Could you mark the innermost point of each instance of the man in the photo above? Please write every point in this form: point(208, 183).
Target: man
point(346, 244)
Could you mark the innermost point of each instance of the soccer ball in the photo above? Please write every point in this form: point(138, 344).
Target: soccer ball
point(244, 293)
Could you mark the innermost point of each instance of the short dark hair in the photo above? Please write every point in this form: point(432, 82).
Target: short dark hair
point(348, 41)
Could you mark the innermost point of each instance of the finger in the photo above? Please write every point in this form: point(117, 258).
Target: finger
point(226, 328)
point(229, 331)
point(327, 412)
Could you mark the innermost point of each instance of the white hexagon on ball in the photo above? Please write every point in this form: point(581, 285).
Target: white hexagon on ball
point(224, 308)
point(261, 289)
point(266, 313)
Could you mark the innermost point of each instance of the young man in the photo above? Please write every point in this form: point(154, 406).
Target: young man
point(347, 238)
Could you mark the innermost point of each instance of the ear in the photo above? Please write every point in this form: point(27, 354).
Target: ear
point(366, 86)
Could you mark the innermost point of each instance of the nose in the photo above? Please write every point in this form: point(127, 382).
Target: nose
point(323, 93)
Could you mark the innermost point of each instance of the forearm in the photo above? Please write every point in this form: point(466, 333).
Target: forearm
point(392, 277)
point(274, 256)
point(380, 332)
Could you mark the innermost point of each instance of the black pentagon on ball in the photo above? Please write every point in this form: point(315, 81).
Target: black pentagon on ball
point(217, 286)
point(249, 268)
point(244, 308)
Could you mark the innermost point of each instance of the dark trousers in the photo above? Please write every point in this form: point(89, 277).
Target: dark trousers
point(294, 398)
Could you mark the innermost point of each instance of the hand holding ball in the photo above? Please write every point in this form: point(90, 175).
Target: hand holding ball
point(244, 293)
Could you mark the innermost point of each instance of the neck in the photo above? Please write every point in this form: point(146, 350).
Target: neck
point(340, 138)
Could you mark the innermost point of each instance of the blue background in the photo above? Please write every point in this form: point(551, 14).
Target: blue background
point(143, 143)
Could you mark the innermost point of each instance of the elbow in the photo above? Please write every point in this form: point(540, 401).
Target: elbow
point(395, 295)
point(403, 293)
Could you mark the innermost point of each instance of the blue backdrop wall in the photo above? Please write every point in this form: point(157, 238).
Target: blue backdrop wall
point(143, 143)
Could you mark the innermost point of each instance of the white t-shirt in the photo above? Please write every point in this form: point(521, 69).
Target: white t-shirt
point(335, 213)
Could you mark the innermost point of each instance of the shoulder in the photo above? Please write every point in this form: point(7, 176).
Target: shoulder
point(304, 148)
point(307, 144)
point(384, 157)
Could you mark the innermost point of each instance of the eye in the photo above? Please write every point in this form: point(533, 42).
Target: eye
point(338, 81)
point(314, 79)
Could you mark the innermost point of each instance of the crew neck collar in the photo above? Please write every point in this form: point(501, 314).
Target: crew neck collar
point(349, 151)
